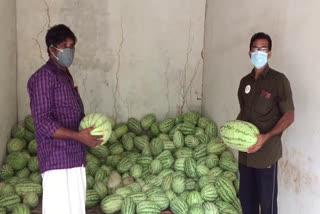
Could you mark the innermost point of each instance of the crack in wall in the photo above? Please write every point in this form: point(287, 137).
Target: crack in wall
point(117, 88)
point(48, 24)
point(168, 91)
point(183, 73)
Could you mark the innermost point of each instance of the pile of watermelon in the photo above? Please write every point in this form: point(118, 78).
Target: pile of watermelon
point(20, 179)
point(149, 166)
point(146, 166)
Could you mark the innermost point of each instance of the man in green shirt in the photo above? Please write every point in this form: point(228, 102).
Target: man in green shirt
point(266, 101)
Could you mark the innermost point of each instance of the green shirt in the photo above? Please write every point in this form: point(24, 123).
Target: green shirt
point(263, 102)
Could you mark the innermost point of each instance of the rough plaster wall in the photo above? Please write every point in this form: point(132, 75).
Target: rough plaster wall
point(8, 93)
point(132, 57)
point(293, 26)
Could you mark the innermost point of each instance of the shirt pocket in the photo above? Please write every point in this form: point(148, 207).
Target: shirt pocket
point(263, 105)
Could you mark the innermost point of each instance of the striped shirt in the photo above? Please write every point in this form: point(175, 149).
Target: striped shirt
point(54, 103)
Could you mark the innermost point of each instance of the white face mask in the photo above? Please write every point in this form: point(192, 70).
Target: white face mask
point(64, 57)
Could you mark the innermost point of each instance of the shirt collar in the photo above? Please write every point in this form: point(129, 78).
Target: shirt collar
point(264, 73)
point(54, 66)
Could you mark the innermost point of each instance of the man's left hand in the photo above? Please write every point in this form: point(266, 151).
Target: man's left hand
point(262, 138)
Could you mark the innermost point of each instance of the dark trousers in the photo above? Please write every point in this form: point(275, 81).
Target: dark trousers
point(259, 187)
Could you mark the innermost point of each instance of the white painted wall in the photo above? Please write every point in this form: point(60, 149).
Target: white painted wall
point(294, 28)
point(132, 57)
point(8, 92)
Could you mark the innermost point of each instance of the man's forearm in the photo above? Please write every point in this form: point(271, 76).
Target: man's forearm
point(285, 121)
point(63, 133)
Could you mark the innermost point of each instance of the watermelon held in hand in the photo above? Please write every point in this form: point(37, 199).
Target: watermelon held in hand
point(100, 122)
point(239, 135)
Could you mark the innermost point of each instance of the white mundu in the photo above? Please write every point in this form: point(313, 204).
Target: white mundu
point(64, 191)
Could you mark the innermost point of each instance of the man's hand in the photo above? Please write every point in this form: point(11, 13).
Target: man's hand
point(85, 137)
point(262, 138)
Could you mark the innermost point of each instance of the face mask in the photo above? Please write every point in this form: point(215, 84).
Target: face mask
point(259, 59)
point(64, 57)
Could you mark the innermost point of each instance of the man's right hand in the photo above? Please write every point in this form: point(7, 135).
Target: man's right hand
point(85, 137)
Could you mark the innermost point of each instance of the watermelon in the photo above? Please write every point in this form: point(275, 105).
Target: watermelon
point(18, 131)
point(6, 171)
point(23, 188)
point(100, 122)
point(127, 142)
point(190, 167)
point(111, 203)
point(21, 209)
point(191, 141)
point(194, 197)
point(147, 121)
point(191, 117)
point(225, 189)
point(33, 164)
point(210, 208)
point(155, 129)
point(100, 152)
point(196, 209)
point(31, 199)
point(166, 125)
point(9, 201)
point(239, 135)
point(29, 136)
point(134, 126)
point(92, 198)
point(178, 184)
point(16, 145)
point(148, 207)
point(29, 124)
point(17, 160)
point(178, 139)
point(209, 192)
point(121, 130)
point(136, 171)
point(128, 206)
point(160, 199)
point(156, 146)
point(32, 147)
point(23, 173)
point(178, 206)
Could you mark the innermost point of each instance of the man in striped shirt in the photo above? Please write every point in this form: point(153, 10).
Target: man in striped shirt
point(57, 110)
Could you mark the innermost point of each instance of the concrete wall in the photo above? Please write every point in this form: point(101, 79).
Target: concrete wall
point(293, 26)
point(132, 57)
point(8, 92)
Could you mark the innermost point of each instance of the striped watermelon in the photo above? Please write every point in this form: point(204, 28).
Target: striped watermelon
point(226, 190)
point(191, 141)
point(8, 201)
point(210, 208)
point(100, 152)
point(155, 129)
point(209, 192)
point(178, 206)
point(194, 198)
point(202, 170)
point(228, 164)
point(111, 203)
point(140, 143)
point(156, 146)
point(18, 132)
point(32, 147)
point(29, 124)
point(203, 122)
point(121, 130)
point(128, 206)
point(166, 125)
point(191, 117)
point(239, 135)
point(102, 125)
point(127, 142)
point(134, 126)
point(17, 160)
point(147, 121)
point(101, 189)
point(6, 171)
point(16, 145)
point(148, 207)
point(212, 160)
point(92, 198)
point(23, 173)
point(196, 209)
point(187, 129)
point(190, 167)
point(138, 197)
point(21, 209)
point(23, 188)
point(33, 164)
point(160, 199)
point(178, 184)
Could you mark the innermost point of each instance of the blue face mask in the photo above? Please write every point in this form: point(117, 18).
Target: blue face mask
point(259, 59)
point(64, 57)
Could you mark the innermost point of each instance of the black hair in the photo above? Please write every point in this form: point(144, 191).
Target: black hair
point(261, 35)
point(58, 34)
